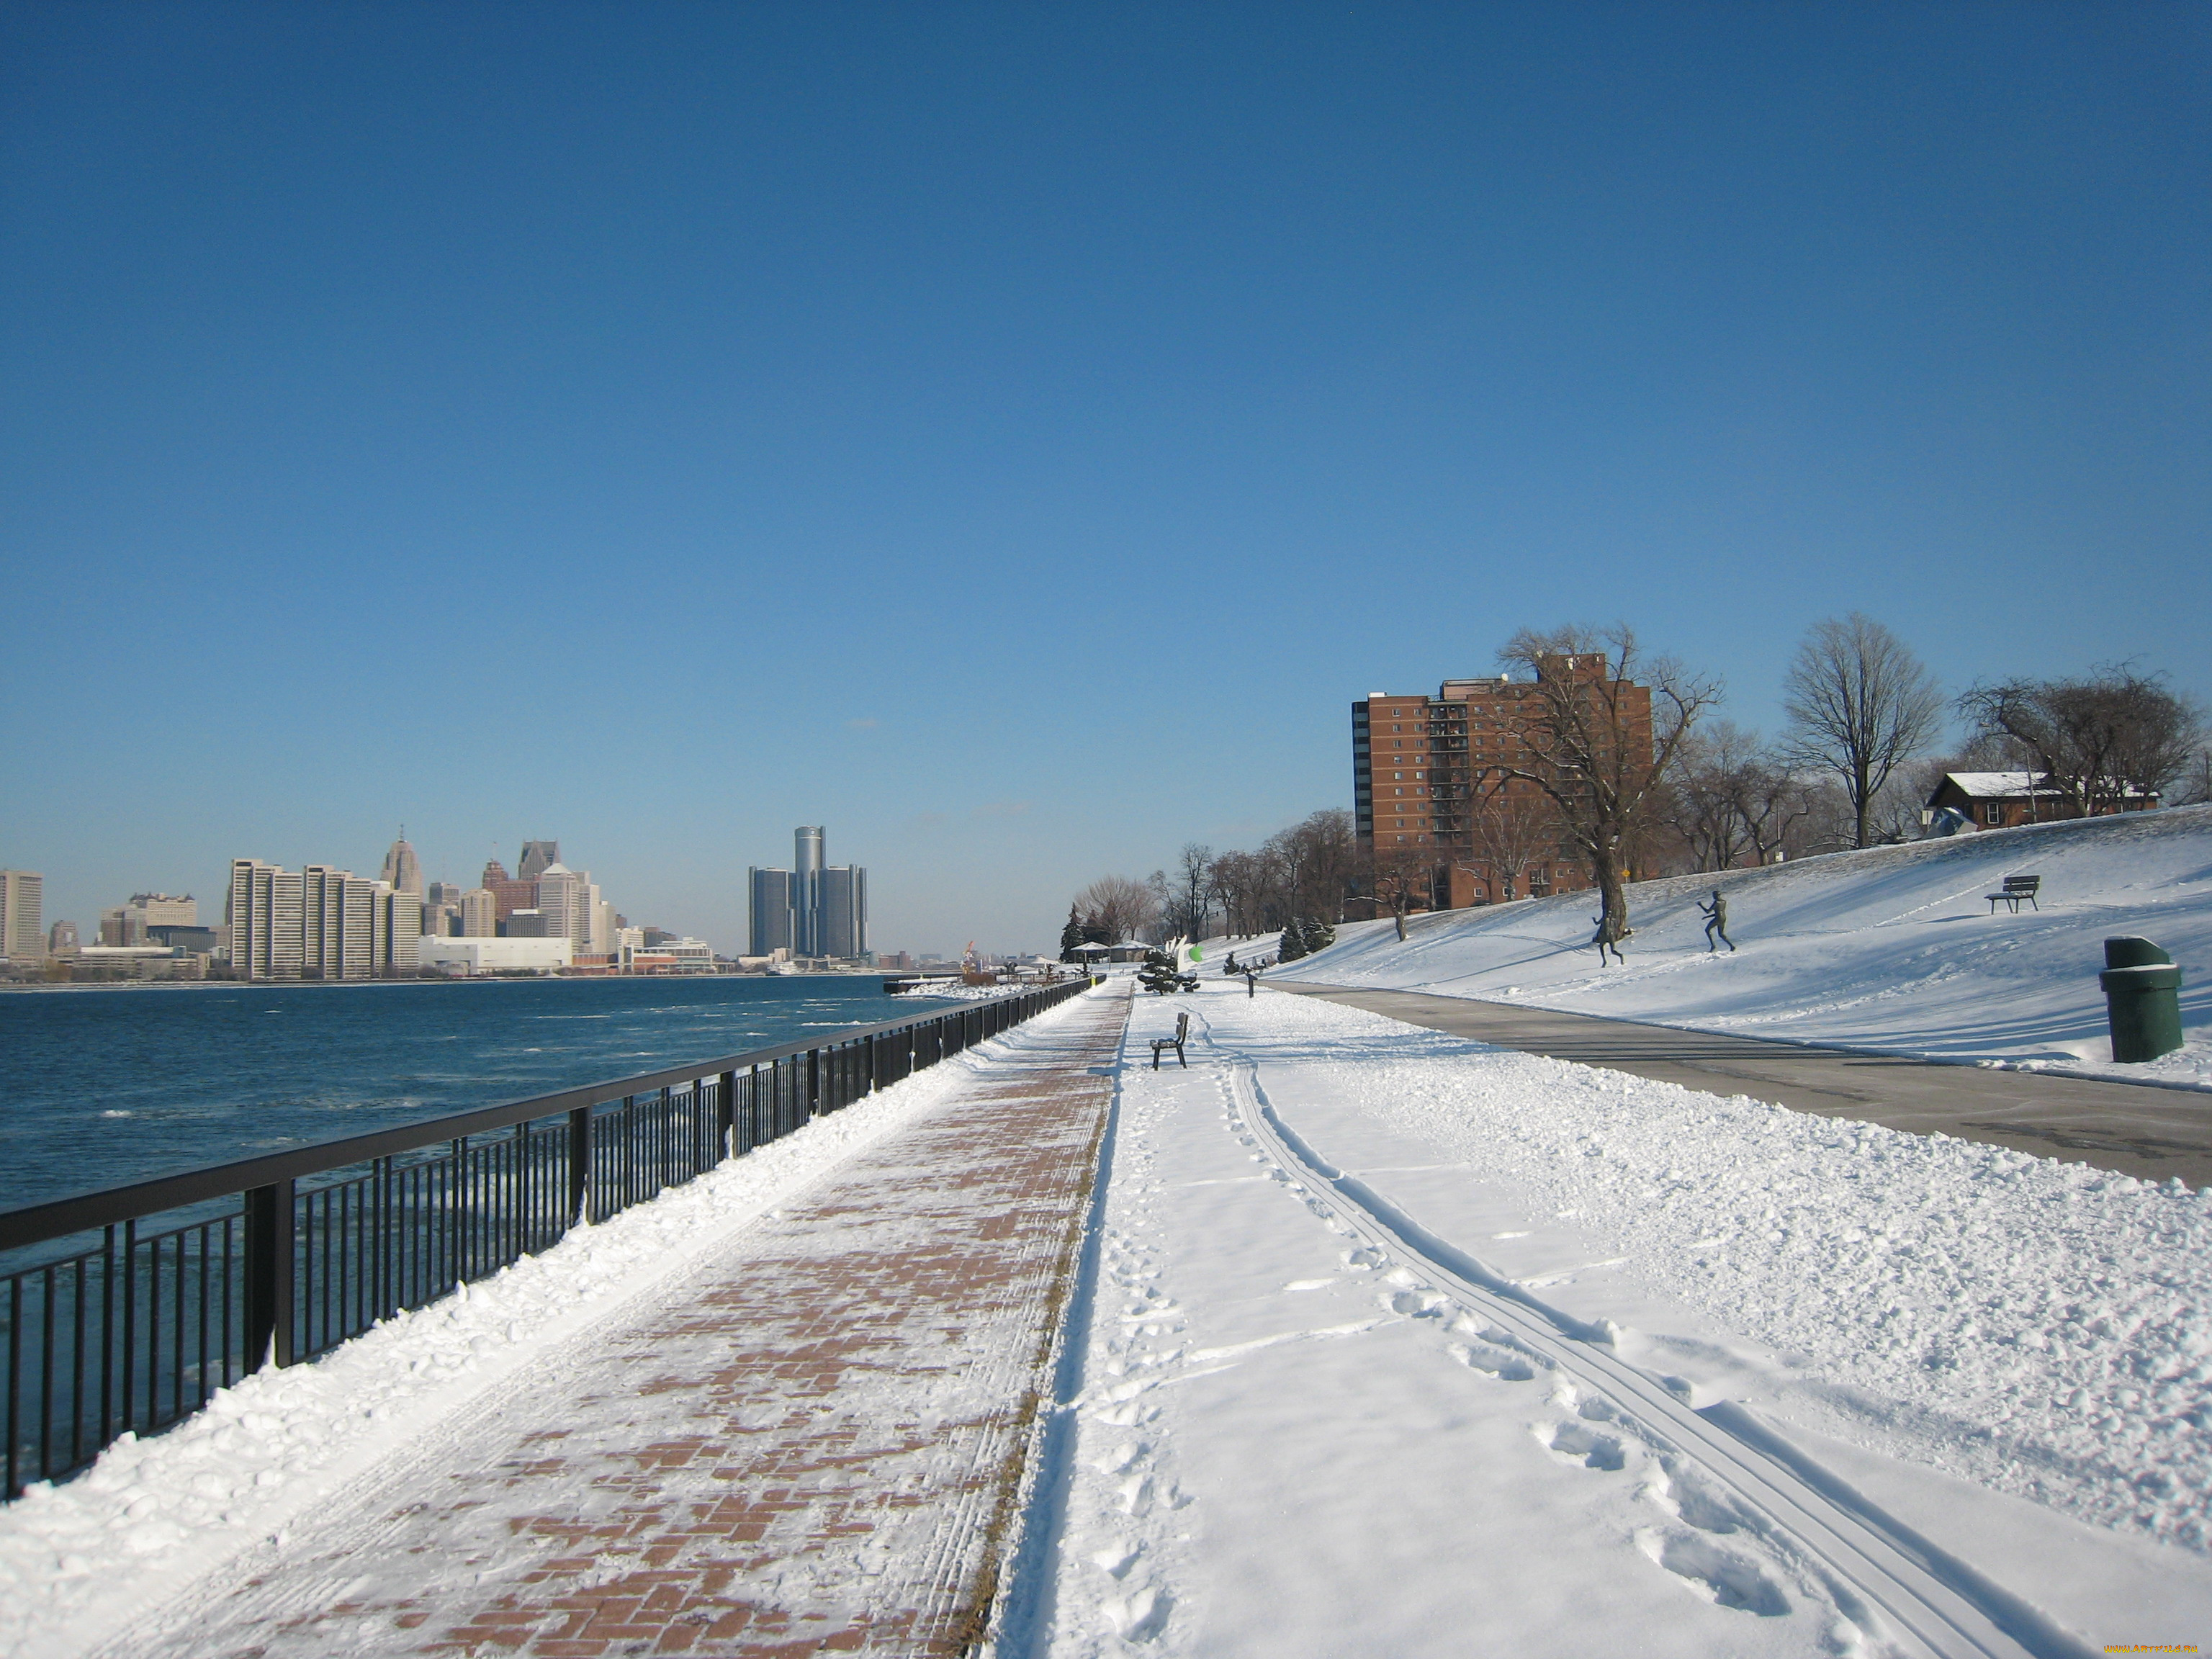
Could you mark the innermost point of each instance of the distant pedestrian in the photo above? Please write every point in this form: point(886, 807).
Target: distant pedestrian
point(1715, 915)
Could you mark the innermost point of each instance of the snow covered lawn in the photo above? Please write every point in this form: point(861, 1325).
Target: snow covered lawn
point(1407, 1346)
point(1892, 949)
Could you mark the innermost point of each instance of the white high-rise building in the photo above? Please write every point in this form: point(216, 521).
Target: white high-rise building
point(23, 929)
point(564, 900)
point(319, 923)
point(338, 926)
point(263, 916)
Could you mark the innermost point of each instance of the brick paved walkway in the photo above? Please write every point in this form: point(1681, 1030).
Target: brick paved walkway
point(813, 1445)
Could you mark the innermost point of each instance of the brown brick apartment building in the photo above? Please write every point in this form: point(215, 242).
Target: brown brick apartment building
point(1424, 769)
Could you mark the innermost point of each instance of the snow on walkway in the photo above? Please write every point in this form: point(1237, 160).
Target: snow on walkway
point(786, 1402)
point(1406, 1346)
point(1894, 949)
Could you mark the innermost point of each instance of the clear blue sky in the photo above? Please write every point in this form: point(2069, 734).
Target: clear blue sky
point(1012, 435)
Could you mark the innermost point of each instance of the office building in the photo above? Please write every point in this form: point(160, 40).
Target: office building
point(166, 909)
point(772, 911)
point(23, 929)
point(537, 857)
point(120, 926)
point(844, 928)
point(62, 940)
point(508, 895)
point(813, 909)
point(479, 913)
point(403, 870)
point(1426, 784)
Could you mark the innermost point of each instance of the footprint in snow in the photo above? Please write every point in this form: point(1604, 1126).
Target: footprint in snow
point(1578, 1442)
point(1721, 1576)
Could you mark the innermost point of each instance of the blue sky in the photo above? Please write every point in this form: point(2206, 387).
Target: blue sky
point(1013, 435)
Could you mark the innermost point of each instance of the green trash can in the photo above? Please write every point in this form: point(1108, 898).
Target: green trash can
point(2142, 1000)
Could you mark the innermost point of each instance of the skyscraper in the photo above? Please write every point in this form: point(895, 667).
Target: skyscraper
point(262, 913)
point(844, 911)
point(402, 869)
point(537, 857)
point(508, 894)
point(771, 910)
point(319, 923)
point(812, 910)
point(22, 932)
point(806, 891)
point(479, 913)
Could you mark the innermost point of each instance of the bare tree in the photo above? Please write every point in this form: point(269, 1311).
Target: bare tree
point(2097, 741)
point(1860, 704)
point(1708, 789)
point(1315, 863)
point(1774, 803)
point(1513, 826)
point(1398, 877)
point(1594, 728)
point(1239, 883)
point(1193, 892)
point(2194, 788)
point(1117, 906)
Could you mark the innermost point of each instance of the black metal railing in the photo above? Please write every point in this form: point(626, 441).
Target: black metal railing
point(125, 1309)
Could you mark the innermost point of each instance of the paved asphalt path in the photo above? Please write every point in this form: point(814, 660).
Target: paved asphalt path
point(2155, 1133)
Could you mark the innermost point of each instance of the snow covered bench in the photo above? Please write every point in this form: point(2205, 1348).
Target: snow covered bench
point(1176, 1042)
point(2016, 888)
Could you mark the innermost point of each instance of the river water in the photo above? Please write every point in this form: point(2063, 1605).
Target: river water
point(100, 1086)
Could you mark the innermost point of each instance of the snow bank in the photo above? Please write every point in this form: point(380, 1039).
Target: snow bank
point(1894, 949)
point(1288, 1441)
point(2042, 1327)
point(77, 1560)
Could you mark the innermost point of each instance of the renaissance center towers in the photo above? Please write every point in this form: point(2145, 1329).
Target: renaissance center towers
point(813, 909)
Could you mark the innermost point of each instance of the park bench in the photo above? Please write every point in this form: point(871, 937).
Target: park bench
point(1176, 1042)
point(2016, 888)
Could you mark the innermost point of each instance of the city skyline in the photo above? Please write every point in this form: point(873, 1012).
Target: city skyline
point(971, 343)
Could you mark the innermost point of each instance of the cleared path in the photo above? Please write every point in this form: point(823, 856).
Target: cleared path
point(813, 1442)
point(2153, 1133)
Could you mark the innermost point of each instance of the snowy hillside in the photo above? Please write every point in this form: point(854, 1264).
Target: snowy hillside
point(1892, 949)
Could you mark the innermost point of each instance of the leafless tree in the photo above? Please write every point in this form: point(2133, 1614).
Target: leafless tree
point(1860, 705)
point(1513, 826)
point(1192, 892)
point(1239, 884)
point(1707, 791)
point(1397, 877)
point(1596, 727)
point(1118, 906)
point(2095, 741)
point(2194, 788)
point(1314, 864)
point(1774, 804)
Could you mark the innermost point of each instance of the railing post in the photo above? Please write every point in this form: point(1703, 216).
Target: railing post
point(579, 1167)
point(268, 1274)
point(726, 1113)
point(813, 1082)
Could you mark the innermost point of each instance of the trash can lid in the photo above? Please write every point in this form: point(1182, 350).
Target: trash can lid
point(2130, 950)
point(2150, 976)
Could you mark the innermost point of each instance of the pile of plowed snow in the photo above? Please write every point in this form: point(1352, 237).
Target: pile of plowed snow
point(1895, 949)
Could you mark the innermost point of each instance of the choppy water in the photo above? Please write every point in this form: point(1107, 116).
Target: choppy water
point(102, 1086)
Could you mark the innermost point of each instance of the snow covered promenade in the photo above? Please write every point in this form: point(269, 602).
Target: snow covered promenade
point(795, 1416)
point(1404, 1345)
